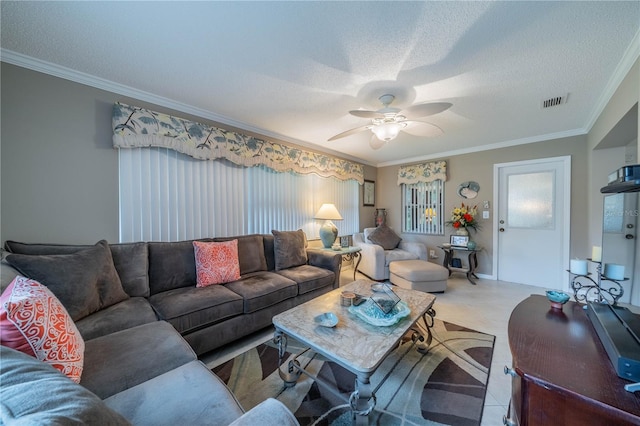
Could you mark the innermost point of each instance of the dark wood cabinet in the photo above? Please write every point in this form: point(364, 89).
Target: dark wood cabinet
point(561, 372)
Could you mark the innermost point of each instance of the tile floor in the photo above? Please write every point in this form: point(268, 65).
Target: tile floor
point(484, 307)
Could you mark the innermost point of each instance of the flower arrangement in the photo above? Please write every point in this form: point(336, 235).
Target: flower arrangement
point(464, 217)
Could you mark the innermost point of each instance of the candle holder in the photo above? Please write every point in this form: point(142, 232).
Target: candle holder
point(586, 288)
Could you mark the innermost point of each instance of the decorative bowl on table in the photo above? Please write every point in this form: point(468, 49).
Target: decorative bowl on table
point(327, 319)
point(557, 298)
point(370, 313)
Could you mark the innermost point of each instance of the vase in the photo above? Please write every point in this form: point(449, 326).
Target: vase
point(380, 217)
point(462, 231)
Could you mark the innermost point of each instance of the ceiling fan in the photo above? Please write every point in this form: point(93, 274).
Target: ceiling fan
point(387, 122)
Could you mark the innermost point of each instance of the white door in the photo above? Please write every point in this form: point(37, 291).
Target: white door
point(532, 229)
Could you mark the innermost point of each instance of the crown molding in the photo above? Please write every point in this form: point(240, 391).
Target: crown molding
point(498, 145)
point(65, 73)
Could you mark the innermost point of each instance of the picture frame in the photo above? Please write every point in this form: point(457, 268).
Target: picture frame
point(369, 193)
point(344, 242)
point(459, 240)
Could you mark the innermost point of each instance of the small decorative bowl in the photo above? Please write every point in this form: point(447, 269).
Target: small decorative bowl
point(328, 319)
point(557, 298)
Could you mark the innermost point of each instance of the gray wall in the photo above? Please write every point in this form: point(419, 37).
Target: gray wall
point(479, 167)
point(59, 170)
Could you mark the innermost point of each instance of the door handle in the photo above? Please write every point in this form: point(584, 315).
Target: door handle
point(501, 229)
point(629, 237)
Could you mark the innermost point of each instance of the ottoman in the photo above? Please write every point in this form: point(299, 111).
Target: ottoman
point(419, 275)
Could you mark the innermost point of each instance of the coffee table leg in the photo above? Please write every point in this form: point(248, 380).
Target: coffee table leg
point(293, 371)
point(362, 400)
point(424, 342)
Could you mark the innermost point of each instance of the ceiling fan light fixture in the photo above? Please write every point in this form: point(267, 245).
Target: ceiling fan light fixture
point(387, 131)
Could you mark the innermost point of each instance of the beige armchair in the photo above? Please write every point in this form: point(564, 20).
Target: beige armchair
point(375, 260)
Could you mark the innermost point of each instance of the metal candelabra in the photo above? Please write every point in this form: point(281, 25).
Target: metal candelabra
point(586, 288)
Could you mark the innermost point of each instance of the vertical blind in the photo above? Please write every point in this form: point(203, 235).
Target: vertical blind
point(169, 196)
point(423, 207)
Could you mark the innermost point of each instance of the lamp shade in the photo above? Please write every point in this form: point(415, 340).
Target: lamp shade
point(328, 212)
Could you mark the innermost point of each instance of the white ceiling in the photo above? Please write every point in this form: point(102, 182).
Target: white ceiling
point(293, 70)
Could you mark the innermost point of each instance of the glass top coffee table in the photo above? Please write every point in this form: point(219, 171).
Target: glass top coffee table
point(353, 343)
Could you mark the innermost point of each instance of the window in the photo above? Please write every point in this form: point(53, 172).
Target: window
point(169, 196)
point(422, 204)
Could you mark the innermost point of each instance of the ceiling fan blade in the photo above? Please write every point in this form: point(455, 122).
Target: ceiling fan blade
point(350, 132)
point(366, 114)
point(424, 110)
point(421, 128)
point(376, 143)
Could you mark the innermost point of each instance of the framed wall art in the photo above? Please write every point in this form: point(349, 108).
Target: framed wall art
point(369, 193)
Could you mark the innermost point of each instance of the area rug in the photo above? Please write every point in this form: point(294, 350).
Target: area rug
point(444, 386)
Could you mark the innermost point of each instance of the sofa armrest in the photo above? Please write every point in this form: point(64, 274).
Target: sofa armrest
point(327, 260)
point(418, 249)
point(372, 260)
point(270, 411)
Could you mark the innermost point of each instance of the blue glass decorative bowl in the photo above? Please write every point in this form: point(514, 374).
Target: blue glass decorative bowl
point(327, 319)
point(557, 298)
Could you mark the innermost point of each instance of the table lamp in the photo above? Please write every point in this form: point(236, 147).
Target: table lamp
point(328, 231)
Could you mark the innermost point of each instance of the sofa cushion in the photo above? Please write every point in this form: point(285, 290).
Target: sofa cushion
point(309, 277)
point(263, 289)
point(188, 395)
point(131, 261)
point(18, 247)
point(84, 282)
point(250, 253)
point(290, 248)
point(398, 254)
point(191, 308)
point(117, 361)
point(216, 262)
point(34, 393)
point(33, 321)
point(385, 237)
point(171, 265)
point(126, 314)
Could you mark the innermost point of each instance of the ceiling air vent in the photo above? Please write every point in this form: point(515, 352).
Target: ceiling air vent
point(554, 101)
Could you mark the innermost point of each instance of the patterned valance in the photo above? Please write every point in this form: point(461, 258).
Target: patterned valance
point(135, 127)
point(427, 172)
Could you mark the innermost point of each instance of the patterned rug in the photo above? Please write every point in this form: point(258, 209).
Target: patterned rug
point(445, 386)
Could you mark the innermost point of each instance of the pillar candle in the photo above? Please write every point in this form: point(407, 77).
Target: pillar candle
point(613, 271)
point(578, 267)
point(596, 254)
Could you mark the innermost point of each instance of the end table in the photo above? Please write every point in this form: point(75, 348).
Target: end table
point(349, 253)
point(472, 261)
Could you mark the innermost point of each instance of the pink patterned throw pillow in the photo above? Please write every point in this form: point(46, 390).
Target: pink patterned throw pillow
point(216, 263)
point(33, 321)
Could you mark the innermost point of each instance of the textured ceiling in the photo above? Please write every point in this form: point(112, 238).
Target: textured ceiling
point(293, 70)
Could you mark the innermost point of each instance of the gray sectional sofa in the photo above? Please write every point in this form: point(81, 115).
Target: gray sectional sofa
point(144, 321)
